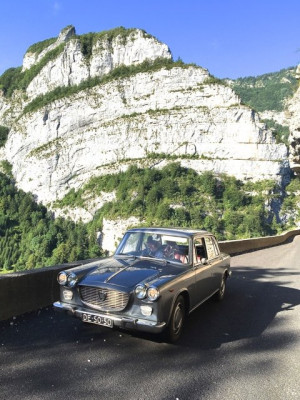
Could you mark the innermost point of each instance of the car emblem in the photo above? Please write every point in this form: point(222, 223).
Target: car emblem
point(102, 295)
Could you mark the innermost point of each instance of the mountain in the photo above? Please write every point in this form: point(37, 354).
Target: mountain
point(88, 112)
point(267, 92)
point(89, 106)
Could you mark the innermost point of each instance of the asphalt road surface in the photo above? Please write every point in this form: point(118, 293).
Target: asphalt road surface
point(247, 347)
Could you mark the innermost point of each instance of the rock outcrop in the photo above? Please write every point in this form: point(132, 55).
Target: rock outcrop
point(108, 52)
point(176, 109)
point(294, 109)
point(33, 57)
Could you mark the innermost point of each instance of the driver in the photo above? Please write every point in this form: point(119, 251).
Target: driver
point(152, 248)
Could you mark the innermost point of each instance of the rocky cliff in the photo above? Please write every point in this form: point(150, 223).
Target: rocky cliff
point(294, 110)
point(76, 62)
point(158, 107)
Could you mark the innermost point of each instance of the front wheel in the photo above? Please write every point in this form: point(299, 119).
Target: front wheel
point(175, 327)
point(219, 296)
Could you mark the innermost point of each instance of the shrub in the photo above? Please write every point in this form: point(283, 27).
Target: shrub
point(3, 135)
point(40, 46)
point(6, 168)
point(14, 79)
point(280, 132)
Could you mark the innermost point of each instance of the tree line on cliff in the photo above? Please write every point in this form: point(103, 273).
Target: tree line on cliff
point(175, 196)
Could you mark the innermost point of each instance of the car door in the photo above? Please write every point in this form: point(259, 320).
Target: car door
point(215, 263)
point(202, 268)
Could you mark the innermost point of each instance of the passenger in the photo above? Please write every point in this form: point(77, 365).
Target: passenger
point(170, 250)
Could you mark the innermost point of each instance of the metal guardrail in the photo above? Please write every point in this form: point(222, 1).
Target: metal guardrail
point(26, 291)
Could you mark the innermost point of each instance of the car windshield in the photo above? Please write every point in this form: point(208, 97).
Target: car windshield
point(155, 245)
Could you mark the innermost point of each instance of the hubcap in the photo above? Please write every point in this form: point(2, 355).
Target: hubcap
point(178, 319)
point(222, 288)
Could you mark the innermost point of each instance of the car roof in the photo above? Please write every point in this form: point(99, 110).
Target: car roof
point(172, 231)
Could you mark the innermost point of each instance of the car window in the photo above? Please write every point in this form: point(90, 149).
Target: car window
point(199, 250)
point(211, 248)
point(131, 243)
point(217, 251)
point(149, 237)
point(155, 245)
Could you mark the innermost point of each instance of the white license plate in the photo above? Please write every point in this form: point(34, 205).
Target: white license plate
point(98, 320)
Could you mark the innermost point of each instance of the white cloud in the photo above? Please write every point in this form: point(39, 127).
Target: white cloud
point(57, 7)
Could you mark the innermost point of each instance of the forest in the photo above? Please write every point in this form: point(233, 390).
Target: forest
point(268, 91)
point(178, 196)
point(30, 237)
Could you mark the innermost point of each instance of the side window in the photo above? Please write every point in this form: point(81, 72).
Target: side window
point(217, 251)
point(199, 250)
point(211, 247)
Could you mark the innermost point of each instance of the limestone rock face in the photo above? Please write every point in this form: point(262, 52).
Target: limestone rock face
point(32, 58)
point(280, 117)
point(294, 109)
point(176, 110)
point(74, 138)
point(86, 213)
point(71, 67)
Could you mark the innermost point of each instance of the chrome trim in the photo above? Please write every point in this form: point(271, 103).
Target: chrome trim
point(116, 273)
point(119, 321)
point(128, 322)
point(113, 300)
point(63, 306)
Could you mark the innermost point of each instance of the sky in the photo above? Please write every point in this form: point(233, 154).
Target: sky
point(231, 38)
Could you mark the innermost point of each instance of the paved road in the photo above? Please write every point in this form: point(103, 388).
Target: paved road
point(247, 347)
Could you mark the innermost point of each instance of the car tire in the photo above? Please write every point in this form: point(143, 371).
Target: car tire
point(176, 324)
point(219, 296)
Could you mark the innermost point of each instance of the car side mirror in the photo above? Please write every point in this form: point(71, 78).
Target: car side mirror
point(204, 261)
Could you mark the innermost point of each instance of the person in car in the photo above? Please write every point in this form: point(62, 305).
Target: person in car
point(152, 248)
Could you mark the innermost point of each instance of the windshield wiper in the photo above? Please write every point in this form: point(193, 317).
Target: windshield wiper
point(164, 260)
point(127, 256)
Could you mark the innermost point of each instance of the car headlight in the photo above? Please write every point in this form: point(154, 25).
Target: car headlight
point(62, 278)
point(140, 292)
point(72, 279)
point(152, 293)
point(67, 279)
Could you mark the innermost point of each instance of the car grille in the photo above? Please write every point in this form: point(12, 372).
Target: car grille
point(104, 299)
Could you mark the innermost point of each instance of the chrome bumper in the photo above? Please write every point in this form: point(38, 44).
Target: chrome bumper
point(119, 321)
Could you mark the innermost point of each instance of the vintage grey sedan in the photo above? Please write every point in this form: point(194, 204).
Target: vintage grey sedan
point(156, 277)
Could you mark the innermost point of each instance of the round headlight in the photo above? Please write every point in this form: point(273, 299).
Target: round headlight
point(152, 293)
point(62, 278)
point(72, 279)
point(140, 292)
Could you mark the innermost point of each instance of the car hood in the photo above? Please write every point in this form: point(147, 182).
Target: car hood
point(128, 272)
